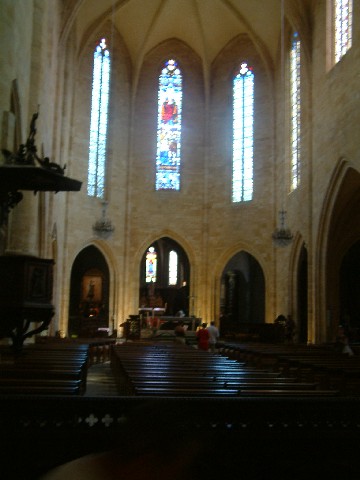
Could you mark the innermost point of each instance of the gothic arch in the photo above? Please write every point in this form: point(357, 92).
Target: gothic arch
point(298, 287)
point(339, 229)
point(167, 236)
point(94, 259)
point(221, 265)
point(105, 249)
point(165, 233)
point(242, 297)
point(231, 251)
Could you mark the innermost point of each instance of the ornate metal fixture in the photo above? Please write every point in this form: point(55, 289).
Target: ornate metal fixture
point(282, 236)
point(27, 153)
point(25, 170)
point(103, 226)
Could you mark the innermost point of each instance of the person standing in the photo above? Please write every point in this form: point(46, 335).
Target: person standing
point(203, 338)
point(289, 330)
point(213, 335)
point(180, 333)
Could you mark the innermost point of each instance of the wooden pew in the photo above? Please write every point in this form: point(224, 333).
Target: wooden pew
point(180, 372)
point(40, 386)
point(243, 390)
point(305, 363)
point(43, 369)
point(49, 389)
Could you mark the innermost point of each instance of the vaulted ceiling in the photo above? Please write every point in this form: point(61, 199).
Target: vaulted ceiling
point(205, 25)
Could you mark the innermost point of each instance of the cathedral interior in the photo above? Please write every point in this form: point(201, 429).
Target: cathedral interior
point(192, 158)
point(297, 174)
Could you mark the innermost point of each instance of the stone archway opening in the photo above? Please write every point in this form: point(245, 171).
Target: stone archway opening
point(89, 295)
point(165, 278)
point(343, 238)
point(242, 301)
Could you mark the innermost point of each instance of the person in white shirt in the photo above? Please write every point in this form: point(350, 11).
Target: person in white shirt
point(213, 336)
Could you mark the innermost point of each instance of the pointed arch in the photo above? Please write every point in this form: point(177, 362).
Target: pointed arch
point(298, 287)
point(339, 215)
point(242, 294)
point(89, 302)
point(218, 270)
point(156, 290)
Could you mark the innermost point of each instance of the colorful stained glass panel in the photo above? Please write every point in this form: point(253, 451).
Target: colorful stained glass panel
point(295, 106)
point(99, 121)
point(243, 132)
point(169, 128)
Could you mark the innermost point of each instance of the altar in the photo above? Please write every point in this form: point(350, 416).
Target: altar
point(154, 318)
point(169, 323)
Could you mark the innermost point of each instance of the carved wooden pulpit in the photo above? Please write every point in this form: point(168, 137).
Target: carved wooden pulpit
point(26, 281)
point(26, 284)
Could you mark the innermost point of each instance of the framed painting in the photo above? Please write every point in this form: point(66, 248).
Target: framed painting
point(92, 286)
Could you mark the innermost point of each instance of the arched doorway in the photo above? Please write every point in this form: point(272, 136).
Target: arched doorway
point(242, 301)
point(165, 277)
point(342, 276)
point(89, 295)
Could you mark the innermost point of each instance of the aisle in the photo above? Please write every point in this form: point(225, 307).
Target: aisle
point(100, 381)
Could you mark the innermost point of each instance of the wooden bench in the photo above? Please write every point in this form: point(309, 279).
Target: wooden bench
point(245, 389)
point(184, 372)
point(40, 369)
point(49, 389)
point(322, 363)
point(223, 382)
point(206, 376)
point(24, 385)
point(184, 392)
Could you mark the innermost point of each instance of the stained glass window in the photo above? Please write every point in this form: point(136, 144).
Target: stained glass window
point(343, 27)
point(169, 127)
point(295, 109)
point(99, 121)
point(151, 265)
point(243, 131)
point(173, 267)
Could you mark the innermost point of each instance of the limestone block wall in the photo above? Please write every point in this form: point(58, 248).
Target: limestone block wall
point(248, 225)
point(28, 85)
point(46, 67)
point(200, 216)
point(335, 118)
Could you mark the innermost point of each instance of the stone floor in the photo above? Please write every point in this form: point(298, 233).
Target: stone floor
point(100, 381)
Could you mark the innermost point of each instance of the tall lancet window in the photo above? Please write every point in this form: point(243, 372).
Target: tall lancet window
point(243, 133)
point(173, 267)
point(295, 111)
point(169, 127)
point(343, 11)
point(99, 121)
point(151, 265)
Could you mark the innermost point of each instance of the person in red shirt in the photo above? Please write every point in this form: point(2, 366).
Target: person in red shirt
point(203, 338)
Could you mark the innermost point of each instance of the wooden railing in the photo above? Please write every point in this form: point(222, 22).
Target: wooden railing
point(249, 434)
point(245, 434)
